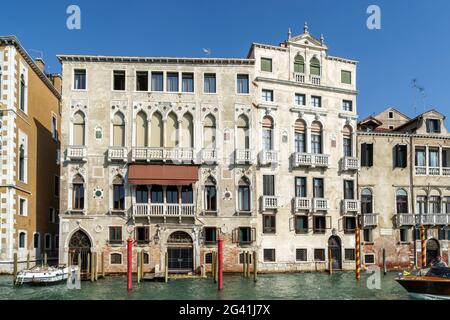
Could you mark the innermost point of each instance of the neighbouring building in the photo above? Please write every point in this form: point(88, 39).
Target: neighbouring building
point(29, 153)
point(175, 152)
point(404, 183)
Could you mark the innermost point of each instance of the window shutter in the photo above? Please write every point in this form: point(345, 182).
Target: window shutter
point(292, 224)
point(395, 156)
point(370, 154)
point(147, 233)
point(341, 224)
point(217, 234)
point(364, 155)
point(327, 222)
point(235, 235)
point(253, 235)
point(310, 224)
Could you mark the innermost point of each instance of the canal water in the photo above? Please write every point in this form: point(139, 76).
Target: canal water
point(298, 286)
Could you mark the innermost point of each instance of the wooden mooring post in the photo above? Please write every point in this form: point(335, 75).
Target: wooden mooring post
point(384, 262)
point(96, 266)
point(216, 267)
point(93, 267)
point(255, 266)
point(423, 250)
point(330, 261)
point(166, 271)
point(45, 259)
point(14, 267)
point(28, 261)
point(138, 267)
point(247, 254)
point(88, 269)
point(244, 261)
point(102, 263)
point(220, 264)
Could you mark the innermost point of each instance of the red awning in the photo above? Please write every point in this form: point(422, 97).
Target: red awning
point(173, 175)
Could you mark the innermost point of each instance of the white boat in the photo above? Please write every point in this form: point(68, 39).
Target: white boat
point(45, 275)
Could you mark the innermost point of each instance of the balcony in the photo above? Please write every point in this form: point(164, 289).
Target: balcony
point(350, 206)
point(350, 164)
point(434, 219)
point(432, 171)
point(76, 153)
point(163, 154)
point(369, 220)
point(243, 156)
point(163, 210)
point(320, 204)
point(299, 77)
point(269, 203)
point(268, 157)
point(311, 160)
point(117, 154)
point(406, 219)
point(301, 204)
point(315, 80)
point(209, 156)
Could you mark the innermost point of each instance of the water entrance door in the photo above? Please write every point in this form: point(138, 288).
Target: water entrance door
point(180, 259)
point(432, 250)
point(334, 244)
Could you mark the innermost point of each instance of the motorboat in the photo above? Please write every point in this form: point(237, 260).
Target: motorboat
point(45, 275)
point(434, 281)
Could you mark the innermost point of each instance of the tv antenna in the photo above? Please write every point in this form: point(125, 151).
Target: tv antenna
point(421, 91)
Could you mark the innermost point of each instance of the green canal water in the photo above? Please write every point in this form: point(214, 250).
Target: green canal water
point(298, 286)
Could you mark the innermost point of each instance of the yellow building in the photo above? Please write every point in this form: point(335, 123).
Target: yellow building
point(29, 142)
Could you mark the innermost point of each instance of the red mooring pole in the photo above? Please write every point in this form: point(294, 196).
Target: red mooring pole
point(220, 276)
point(129, 264)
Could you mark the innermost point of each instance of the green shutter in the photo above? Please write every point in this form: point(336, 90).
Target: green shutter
point(314, 67)
point(346, 77)
point(299, 64)
point(266, 64)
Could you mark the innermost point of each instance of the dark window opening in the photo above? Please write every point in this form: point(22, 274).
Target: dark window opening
point(301, 255)
point(269, 255)
point(119, 80)
point(141, 81)
point(269, 224)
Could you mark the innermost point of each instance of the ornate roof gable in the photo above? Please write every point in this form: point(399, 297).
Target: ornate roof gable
point(307, 40)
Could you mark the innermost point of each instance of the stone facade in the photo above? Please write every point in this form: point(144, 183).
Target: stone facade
point(30, 118)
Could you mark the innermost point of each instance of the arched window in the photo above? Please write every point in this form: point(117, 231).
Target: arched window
point(434, 203)
point(402, 201)
point(79, 129)
point(244, 203)
point(146, 258)
point(48, 241)
point(22, 240)
point(157, 131)
point(22, 92)
point(299, 64)
point(141, 130)
point(119, 130)
point(300, 136)
point(209, 132)
point(347, 141)
point(421, 204)
point(172, 129)
point(210, 195)
point(36, 241)
point(267, 127)
point(243, 139)
point(141, 194)
point(78, 193)
point(366, 201)
point(22, 163)
point(118, 193)
point(316, 137)
point(187, 131)
point(314, 67)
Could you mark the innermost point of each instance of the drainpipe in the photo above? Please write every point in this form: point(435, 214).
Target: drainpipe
point(411, 187)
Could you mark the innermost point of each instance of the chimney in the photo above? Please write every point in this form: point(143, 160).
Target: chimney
point(56, 79)
point(40, 63)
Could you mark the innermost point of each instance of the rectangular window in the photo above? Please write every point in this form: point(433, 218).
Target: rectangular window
point(79, 81)
point(56, 186)
point(269, 255)
point(245, 235)
point(319, 224)
point(446, 158)
point(157, 81)
point(433, 126)
point(208, 258)
point(267, 95)
point(142, 235)
point(349, 225)
point(116, 258)
point(266, 64)
point(244, 198)
point(367, 155)
point(47, 241)
point(301, 224)
point(22, 207)
point(369, 258)
point(319, 255)
point(210, 198)
point(367, 235)
point(242, 84)
point(269, 224)
point(433, 157)
point(115, 234)
point(300, 187)
point(318, 191)
point(404, 235)
point(434, 203)
point(316, 143)
point(54, 128)
point(347, 146)
point(347, 105)
point(187, 82)
point(119, 80)
point(391, 115)
point(349, 190)
point(78, 197)
point(118, 197)
point(141, 81)
point(172, 82)
point(316, 101)
point(301, 255)
point(400, 156)
point(350, 254)
point(268, 185)
point(346, 77)
point(209, 82)
point(210, 235)
point(421, 205)
point(300, 99)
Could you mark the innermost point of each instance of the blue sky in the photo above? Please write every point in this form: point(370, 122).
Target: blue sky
point(413, 43)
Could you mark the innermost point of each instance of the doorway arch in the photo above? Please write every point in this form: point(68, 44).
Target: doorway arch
point(80, 246)
point(433, 250)
point(180, 252)
point(334, 246)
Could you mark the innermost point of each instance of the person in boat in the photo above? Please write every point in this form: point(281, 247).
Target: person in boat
point(438, 263)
